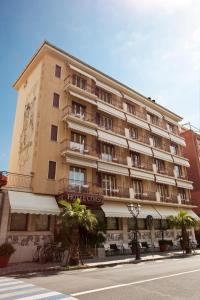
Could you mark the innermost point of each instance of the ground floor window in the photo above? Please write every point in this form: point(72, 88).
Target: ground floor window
point(113, 223)
point(18, 222)
point(40, 222)
point(141, 224)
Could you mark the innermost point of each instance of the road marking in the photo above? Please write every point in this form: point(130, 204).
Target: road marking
point(88, 270)
point(11, 288)
point(133, 283)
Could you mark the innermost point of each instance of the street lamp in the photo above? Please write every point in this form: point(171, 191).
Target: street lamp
point(134, 210)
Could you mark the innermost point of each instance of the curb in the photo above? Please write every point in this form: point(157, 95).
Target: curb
point(100, 265)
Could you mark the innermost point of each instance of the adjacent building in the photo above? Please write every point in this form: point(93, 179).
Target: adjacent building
point(80, 133)
point(192, 152)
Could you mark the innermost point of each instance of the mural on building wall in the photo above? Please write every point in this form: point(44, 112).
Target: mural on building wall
point(29, 240)
point(26, 137)
point(114, 237)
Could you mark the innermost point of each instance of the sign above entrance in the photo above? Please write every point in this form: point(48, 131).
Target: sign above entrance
point(87, 199)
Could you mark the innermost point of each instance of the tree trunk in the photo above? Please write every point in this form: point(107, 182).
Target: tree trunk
point(185, 241)
point(74, 258)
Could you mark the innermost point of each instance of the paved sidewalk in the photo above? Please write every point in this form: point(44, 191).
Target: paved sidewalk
point(90, 263)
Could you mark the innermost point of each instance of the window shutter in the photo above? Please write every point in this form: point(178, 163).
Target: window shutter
point(52, 170)
point(54, 133)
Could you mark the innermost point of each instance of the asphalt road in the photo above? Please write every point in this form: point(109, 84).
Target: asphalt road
point(177, 278)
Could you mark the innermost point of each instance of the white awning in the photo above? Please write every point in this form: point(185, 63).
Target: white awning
point(83, 98)
point(112, 168)
point(192, 214)
point(162, 155)
point(136, 121)
point(159, 131)
point(110, 110)
point(181, 161)
point(120, 210)
point(108, 137)
point(108, 88)
point(82, 128)
point(133, 145)
point(133, 100)
point(165, 211)
point(154, 112)
point(171, 121)
point(184, 184)
point(177, 139)
point(165, 180)
point(81, 162)
point(82, 72)
point(29, 203)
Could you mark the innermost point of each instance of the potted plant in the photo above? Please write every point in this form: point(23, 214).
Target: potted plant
point(163, 244)
point(6, 250)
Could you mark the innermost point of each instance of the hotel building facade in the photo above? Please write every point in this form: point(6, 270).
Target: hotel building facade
point(80, 133)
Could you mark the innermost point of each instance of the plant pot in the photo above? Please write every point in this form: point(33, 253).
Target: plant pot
point(4, 261)
point(163, 247)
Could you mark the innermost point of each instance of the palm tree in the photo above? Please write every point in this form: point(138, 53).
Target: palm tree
point(74, 217)
point(183, 221)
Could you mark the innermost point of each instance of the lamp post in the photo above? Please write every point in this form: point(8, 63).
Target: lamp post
point(134, 210)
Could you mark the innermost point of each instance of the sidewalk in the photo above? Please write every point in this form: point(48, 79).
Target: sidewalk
point(24, 268)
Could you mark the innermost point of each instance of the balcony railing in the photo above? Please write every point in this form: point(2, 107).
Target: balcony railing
point(78, 186)
point(83, 149)
point(68, 111)
point(141, 138)
point(111, 158)
point(145, 196)
point(169, 198)
point(139, 114)
point(186, 201)
point(120, 192)
point(182, 176)
point(17, 181)
point(86, 87)
point(143, 166)
point(168, 172)
point(159, 123)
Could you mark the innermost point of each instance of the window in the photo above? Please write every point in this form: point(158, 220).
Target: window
point(141, 223)
point(174, 149)
point(58, 71)
point(153, 119)
point(178, 171)
point(40, 222)
point(18, 222)
point(133, 133)
point(135, 159)
point(172, 128)
point(103, 95)
point(131, 108)
point(138, 188)
point(52, 170)
point(157, 141)
point(163, 190)
point(78, 142)
point(183, 194)
point(160, 166)
point(107, 152)
point(109, 185)
point(113, 224)
point(77, 176)
point(54, 133)
point(78, 110)
point(79, 82)
point(56, 100)
point(106, 122)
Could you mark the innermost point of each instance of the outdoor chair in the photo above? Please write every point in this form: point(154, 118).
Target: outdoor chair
point(114, 249)
point(144, 246)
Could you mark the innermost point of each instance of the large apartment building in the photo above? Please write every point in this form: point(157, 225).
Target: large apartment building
point(81, 133)
point(192, 152)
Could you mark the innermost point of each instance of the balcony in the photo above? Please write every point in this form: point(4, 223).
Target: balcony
point(142, 166)
point(159, 123)
point(186, 201)
point(119, 192)
point(167, 172)
point(78, 186)
point(17, 182)
point(141, 138)
point(83, 149)
point(79, 85)
point(151, 196)
point(113, 158)
point(115, 129)
point(169, 198)
point(68, 111)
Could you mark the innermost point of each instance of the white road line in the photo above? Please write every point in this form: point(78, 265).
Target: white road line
point(40, 296)
point(133, 283)
point(9, 288)
point(21, 292)
point(10, 283)
point(88, 270)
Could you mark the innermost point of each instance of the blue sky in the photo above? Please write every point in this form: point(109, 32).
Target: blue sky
point(152, 46)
